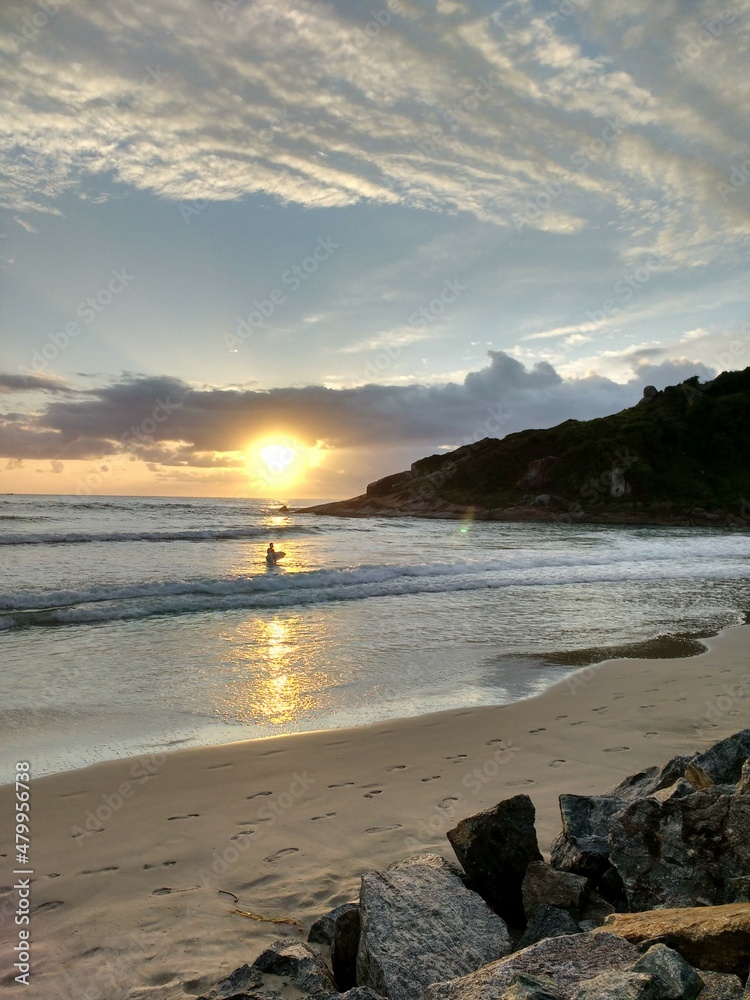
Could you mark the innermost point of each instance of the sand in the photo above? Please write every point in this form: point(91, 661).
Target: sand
point(139, 863)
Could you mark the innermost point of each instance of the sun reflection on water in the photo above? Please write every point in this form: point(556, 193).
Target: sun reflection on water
point(274, 672)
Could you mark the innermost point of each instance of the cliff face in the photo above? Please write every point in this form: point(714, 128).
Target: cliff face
point(681, 454)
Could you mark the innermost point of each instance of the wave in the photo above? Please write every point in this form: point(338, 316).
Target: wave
point(178, 535)
point(270, 590)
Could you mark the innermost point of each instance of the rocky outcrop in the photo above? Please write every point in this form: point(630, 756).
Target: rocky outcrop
point(676, 979)
point(421, 925)
point(389, 484)
point(495, 848)
point(709, 937)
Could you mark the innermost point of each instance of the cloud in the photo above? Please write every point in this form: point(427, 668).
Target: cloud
point(28, 383)
point(557, 123)
point(169, 424)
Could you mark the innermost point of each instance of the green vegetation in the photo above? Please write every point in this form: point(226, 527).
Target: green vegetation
point(688, 446)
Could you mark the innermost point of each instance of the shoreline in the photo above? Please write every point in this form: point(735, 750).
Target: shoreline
point(138, 862)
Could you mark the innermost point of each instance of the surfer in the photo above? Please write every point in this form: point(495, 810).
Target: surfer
point(272, 556)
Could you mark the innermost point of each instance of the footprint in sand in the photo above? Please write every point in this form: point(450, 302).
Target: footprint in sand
point(523, 781)
point(257, 795)
point(558, 717)
point(680, 699)
point(216, 767)
point(579, 723)
point(324, 816)
point(160, 864)
point(5, 889)
point(540, 730)
point(601, 708)
point(383, 829)
point(97, 871)
point(617, 696)
point(53, 904)
point(557, 763)
point(650, 736)
point(397, 767)
point(457, 758)
point(615, 749)
point(243, 833)
point(446, 802)
point(272, 753)
point(83, 833)
point(375, 791)
point(186, 816)
point(435, 777)
point(650, 690)
point(500, 739)
point(53, 875)
point(647, 706)
point(71, 795)
point(342, 784)
point(280, 854)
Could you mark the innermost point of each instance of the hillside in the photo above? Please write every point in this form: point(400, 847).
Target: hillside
point(678, 456)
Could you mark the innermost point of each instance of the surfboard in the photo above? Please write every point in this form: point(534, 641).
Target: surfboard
point(279, 555)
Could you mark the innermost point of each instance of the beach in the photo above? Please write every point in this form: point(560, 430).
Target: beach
point(138, 863)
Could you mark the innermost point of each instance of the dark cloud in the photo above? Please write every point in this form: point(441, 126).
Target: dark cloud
point(167, 423)
point(29, 383)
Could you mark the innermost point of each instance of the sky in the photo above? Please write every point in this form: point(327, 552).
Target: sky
point(283, 248)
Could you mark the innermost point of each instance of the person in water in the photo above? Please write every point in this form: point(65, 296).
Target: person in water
point(270, 555)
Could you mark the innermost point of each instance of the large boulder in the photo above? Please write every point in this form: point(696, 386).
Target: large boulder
point(567, 961)
point(674, 848)
point(722, 763)
point(721, 986)
point(583, 846)
point(708, 937)
point(294, 960)
point(547, 922)
point(676, 978)
point(545, 885)
point(339, 929)
point(627, 985)
point(421, 925)
point(495, 847)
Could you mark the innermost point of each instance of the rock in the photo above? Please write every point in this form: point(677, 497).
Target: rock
point(344, 947)
point(598, 909)
point(653, 779)
point(547, 922)
point(339, 929)
point(322, 931)
point(677, 979)
point(421, 925)
point(618, 986)
point(495, 848)
point(544, 884)
point(715, 938)
point(525, 987)
point(672, 848)
point(721, 986)
point(239, 983)
point(357, 993)
point(567, 961)
point(583, 846)
point(306, 970)
point(389, 484)
point(723, 762)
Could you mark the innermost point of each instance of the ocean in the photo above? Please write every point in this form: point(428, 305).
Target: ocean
point(142, 624)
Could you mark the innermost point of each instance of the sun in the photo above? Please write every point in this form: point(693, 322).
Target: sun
point(281, 462)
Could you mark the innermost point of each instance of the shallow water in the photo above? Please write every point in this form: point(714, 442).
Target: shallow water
point(131, 624)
